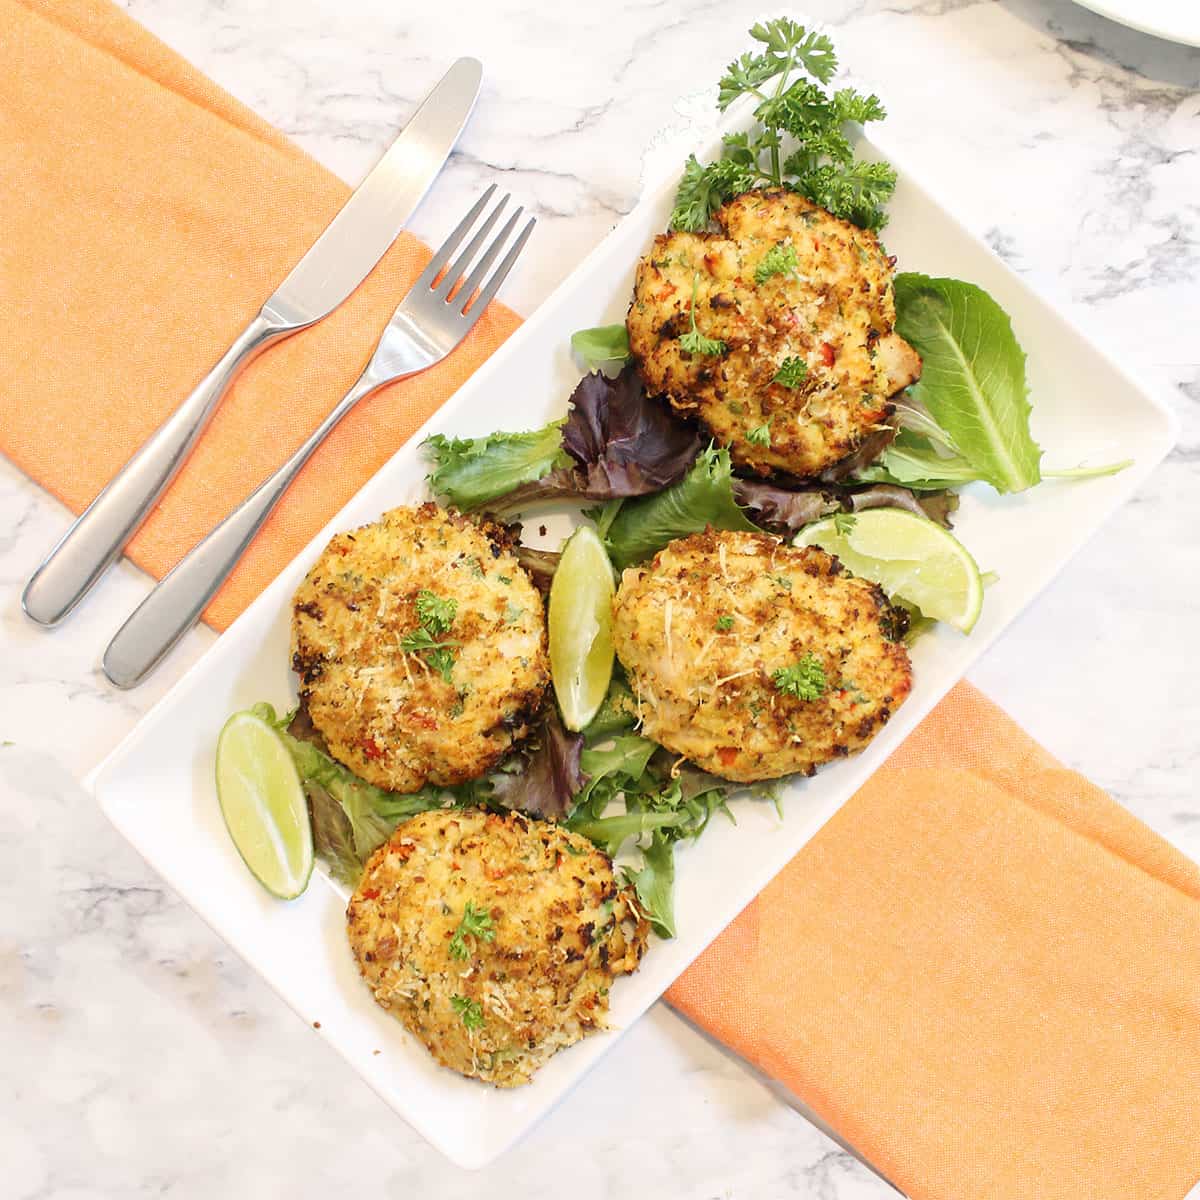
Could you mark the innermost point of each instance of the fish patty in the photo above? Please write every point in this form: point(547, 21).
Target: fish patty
point(829, 313)
point(552, 931)
point(704, 629)
point(399, 715)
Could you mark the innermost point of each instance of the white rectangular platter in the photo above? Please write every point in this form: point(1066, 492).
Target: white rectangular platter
point(157, 786)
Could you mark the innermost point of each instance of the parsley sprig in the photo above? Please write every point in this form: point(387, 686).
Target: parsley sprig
point(471, 1011)
point(799, 138)
point(804, 679)
point(477, 923)
point(694, 342)
point(434, 612)
point(779, 260)
point(792, 372)
point(436, 616)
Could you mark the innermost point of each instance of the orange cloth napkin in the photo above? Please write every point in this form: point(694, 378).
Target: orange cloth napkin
point(146, 217)
point(983, 972)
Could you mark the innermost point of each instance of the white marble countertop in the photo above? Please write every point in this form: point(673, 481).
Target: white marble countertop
point(141, 1057)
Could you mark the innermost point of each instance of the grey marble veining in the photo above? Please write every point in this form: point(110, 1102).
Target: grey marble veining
point(141, 1057)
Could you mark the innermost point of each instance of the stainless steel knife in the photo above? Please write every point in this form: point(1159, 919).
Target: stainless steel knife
point(338, 261)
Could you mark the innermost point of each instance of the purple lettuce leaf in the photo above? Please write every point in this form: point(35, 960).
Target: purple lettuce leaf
point(622, 443)
point(543, 779)
point(785, 511)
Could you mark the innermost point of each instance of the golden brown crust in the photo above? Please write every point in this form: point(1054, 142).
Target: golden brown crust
point(835, 311)
point(702, 629)
point(563, 931)
point(386, 714)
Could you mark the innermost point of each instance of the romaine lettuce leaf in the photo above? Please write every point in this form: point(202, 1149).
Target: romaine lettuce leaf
point(972, 384)
point(913, 463)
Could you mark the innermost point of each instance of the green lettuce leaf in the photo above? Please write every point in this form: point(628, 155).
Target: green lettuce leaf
point(912, 462)
point(612, 766)
point(655, 884)
point(333, 835)
point(972, 382)
point(703, 497)
point(601, 345)
point(611, 833)
point(664, 800)
point(468, 472)
point(368, 814)
point(628, 754)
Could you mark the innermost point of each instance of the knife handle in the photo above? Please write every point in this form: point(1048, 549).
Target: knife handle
point(176, 602)
point(101, 532)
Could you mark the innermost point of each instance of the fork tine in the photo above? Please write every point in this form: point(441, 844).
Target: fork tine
point(489, 256)
point(443, 252)
point(455, 272)
point(493, 285)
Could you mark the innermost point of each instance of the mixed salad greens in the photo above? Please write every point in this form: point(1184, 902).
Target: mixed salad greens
point(644, 478)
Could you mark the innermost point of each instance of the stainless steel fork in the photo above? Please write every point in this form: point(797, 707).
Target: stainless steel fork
point(432, 319)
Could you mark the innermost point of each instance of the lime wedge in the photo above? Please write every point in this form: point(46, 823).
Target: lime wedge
point(909, 557)
point(263, 805)
point(581, 644)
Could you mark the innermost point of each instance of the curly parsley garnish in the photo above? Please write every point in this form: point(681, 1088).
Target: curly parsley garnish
point(436, 616)
point(821, 163)
point(779, 260)
point(435, 613)
point(438, 655)
point(694, 342)
point(724, 624)
point(477, 923)
point(805, 679)
point(792, 372)
point(469, 1010)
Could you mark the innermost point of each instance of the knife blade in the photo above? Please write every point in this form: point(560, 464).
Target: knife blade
point(356, 239)
point(337, 262)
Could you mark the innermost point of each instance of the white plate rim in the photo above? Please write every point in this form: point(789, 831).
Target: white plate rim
point(1166, 19)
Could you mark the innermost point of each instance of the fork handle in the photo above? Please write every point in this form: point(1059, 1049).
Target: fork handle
point(101, 532)
point(175, 604)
